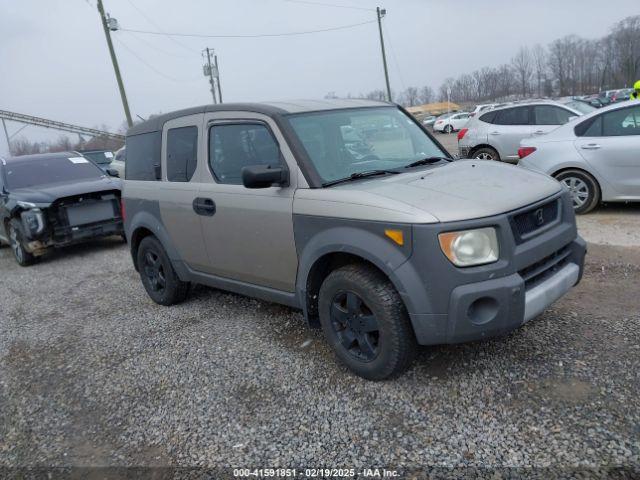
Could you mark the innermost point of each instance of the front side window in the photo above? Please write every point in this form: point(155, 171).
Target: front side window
point(340, 143)
point(512, 116)
point(234, 146)
point(550, 115)
point(182, 153)
point(143, 156)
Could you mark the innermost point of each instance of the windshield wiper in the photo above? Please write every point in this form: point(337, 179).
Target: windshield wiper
point(428, 161)
point(358, 175)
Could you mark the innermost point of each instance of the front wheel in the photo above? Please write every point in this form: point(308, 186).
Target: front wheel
point(448, 129)
point(22, 256)
point(583, 188)
point(365, 322)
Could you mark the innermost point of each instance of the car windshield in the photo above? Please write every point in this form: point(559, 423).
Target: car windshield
point(101, 158)
point(581, 107)
point(341, 143)
point(29, 173)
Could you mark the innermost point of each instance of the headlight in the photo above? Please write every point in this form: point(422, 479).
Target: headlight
point(467, 248)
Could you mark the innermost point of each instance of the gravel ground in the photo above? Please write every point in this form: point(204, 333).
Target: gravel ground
point(92, 373)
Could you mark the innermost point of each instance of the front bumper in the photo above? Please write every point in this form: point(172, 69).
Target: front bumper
point(455, 305)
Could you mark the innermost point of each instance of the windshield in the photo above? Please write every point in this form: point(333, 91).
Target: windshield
point(42, 171)
point(581, 107)
point(341, 143)
point(101, 158)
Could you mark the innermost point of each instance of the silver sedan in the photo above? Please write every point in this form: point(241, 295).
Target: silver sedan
point(597, 156)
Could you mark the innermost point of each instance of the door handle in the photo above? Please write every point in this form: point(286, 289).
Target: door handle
point(590, 146)
point(495, 133)
point(204, 206)
point(539, 132)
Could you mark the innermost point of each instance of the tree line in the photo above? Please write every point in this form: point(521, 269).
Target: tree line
point(570, 65)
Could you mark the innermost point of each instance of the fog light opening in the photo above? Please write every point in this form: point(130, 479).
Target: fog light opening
point(483, 310)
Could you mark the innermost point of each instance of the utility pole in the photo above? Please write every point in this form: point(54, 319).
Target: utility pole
point(114, 60)
point(381, 13)
point(215, 59)
point(208, 71)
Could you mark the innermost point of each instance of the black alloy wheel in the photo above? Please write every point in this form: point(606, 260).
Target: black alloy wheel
point(355, 325)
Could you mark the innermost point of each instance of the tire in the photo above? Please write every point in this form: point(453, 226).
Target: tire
point(448, 129)
point(16, 242)
point(365, 322)
point(486, 153)
point(584, 189)
point(157, 274)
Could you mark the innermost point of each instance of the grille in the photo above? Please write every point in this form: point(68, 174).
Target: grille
point(527, 223)
point(544, 268)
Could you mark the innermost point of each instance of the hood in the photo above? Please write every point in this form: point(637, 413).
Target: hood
point(461, 190)
point(43, 195)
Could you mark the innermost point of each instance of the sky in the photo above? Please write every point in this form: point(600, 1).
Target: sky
point(54, 61)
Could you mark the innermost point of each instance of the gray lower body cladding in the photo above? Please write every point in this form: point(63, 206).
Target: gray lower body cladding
point(448, 304)
point(453, 305)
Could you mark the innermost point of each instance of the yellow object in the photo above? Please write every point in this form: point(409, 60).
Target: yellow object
point(635, 95)
point(395, 235)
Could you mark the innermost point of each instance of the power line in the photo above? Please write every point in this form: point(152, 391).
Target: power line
point(330, 5)
point(260, 35)
point(146, 17)
point(140, 38)
point(151, 67)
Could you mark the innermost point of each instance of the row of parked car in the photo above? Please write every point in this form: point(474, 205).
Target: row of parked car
point(594, 152)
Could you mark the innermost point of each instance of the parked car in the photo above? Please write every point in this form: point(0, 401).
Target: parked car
point(400, 248)
point(429, 121)
point(496, 135)
point(622, 95)
point(102, 158)
point(577, 104)
point(595, 157)
point(53, 200)
point(118, 162)
point(482, 108)
point(451, 123)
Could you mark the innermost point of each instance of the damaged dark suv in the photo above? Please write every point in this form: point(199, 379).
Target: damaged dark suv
point(55, 199)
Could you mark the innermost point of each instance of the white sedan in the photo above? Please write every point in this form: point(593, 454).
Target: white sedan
point(451, 122)
point(596, 156)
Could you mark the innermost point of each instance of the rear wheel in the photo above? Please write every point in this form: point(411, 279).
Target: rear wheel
point(365, 322)
point(486, 153)
point(584, 189)
point(157, 274)
point(22, 256)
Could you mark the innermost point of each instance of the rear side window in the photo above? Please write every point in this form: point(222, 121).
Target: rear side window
point(512, 116)
point(623, 122)
point(489, 117)
point(232, 147)
point(182, 153)
point(589, 128)
point(143, 155)
point(550, 115)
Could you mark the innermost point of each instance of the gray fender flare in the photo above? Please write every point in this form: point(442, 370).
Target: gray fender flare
point(148, 221)
point(372, 247)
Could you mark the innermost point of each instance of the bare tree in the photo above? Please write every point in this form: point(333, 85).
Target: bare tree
point(426, 95)
point(539, 57)
point(409, 97)
point(523, 66)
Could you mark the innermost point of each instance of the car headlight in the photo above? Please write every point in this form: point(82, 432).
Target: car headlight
point(467, 248)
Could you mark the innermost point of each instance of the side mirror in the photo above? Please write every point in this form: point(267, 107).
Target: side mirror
point(264, 176)
point(112, 172)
